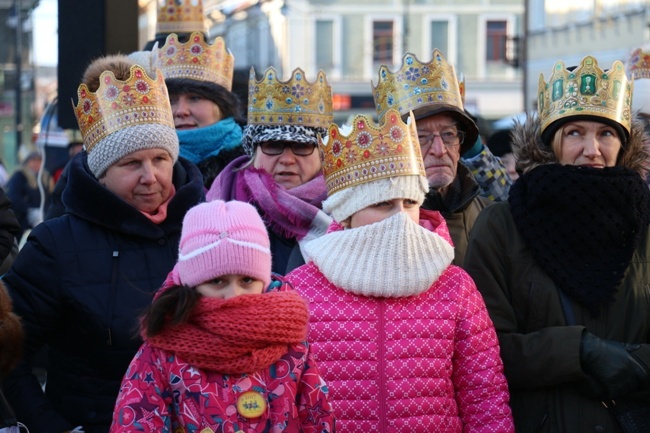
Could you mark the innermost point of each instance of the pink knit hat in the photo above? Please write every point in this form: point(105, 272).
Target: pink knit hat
point(220, 238)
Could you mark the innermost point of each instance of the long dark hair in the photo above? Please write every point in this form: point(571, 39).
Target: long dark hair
point(172, 307)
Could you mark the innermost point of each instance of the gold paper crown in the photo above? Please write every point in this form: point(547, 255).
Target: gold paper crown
point(180, 16)
point(638, 65)
point(417, 85)
point(586, 91)
point(197, 60)
point(119, 104)
point(370, 152)
point(291, 102)
point(461, 88)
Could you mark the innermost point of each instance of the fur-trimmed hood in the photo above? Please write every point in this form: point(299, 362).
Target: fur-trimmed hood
point(531, 152)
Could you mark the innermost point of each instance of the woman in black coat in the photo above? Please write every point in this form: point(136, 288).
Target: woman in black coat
point(82, 279)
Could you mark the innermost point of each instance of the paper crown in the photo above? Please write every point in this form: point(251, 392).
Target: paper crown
point(197, 60)
point(638, 65)
point(461, 88)
point(291, 102)
point(119, 104)
point(370, 152)
point(585, 91)
point(180, 16)
point(417, 85)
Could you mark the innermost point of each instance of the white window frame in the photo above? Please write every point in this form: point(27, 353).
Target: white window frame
point(452, 53)
point(337, 52)
point(369, 70)
point(481, 34)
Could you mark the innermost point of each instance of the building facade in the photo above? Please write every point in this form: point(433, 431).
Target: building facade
point(350, 39)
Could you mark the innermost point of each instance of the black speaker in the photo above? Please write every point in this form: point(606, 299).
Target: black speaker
point(87, 30)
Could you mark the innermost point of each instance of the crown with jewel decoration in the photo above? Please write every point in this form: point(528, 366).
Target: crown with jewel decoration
point(293, 102)
point(461, 88)
point(370, 152)
point(638, 65)
point(585, 91)
point(417, 85)
point(180, 16)
point(119, 104)
point(197, 60)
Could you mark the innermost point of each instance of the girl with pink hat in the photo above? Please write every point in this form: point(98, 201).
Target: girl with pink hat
point(224, 343)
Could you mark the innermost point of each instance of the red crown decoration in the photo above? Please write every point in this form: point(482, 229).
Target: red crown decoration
point(417, 84)
point(119, 104)
point(638, 65)
point(197, 60)
point(180, 16)
point(370, 152)
point(292, 102)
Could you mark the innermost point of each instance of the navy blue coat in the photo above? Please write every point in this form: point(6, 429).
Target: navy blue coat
point(79, 284)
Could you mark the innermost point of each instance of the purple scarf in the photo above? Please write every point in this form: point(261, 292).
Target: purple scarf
point(288, 212)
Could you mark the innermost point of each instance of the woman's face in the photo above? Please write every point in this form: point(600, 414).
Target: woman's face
point(381, 211)
point(193, 111)
point(288, 169)
point(587, 143)
point(143, 179)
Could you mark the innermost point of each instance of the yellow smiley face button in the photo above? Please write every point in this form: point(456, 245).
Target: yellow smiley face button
point(251, 404)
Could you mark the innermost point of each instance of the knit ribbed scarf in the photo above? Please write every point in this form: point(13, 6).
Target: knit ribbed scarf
point(582, 226)
point(288, 212)
point(243, 334)
point(392, 258)
point(201, 143)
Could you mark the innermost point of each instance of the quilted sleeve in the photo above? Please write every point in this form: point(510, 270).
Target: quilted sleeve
point(143, 403)
point(480, 385)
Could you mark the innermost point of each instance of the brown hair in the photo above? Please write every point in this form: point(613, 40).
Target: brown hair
point(172, 307)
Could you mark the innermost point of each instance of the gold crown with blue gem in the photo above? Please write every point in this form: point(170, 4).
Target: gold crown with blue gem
point(117, 104)
point(273, 102)
point(370, 151)
point(197, 60)
point(416, 86)
point(180, 16)
point(587, 91)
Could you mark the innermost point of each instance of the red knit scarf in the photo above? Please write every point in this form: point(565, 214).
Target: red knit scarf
point(243, 334)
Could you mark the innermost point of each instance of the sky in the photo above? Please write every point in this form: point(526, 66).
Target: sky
point(45, 33)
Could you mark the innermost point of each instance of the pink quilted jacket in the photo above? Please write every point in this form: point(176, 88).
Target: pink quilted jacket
point(427, 363)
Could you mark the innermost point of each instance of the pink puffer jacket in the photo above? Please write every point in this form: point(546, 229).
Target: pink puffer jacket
point(426, 363)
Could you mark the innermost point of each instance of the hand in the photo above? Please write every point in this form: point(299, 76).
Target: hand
point(612, 365)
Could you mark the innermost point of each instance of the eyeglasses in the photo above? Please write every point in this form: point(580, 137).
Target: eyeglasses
point(449, 138)
point(277, 147)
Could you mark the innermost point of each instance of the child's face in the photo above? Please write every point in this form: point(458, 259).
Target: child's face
point(229, 286)
point(381, 211)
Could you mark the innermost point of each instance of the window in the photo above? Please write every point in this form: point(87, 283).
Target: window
point(495, 50)
point(440, 36)
point(382, 37)
point(325, 46)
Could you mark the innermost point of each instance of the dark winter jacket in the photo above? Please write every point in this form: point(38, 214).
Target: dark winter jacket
point(460, 207)
point(541, 353)
point(24, 194)
point(79, 284)
point(9, 231)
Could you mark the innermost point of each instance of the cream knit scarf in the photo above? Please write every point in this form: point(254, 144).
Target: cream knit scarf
point(392, 258)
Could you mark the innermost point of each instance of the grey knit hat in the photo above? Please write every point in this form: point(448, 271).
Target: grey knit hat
point(118, 144)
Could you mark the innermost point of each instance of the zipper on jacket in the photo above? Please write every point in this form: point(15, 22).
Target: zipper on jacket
point(112, 295)
point(380, 370)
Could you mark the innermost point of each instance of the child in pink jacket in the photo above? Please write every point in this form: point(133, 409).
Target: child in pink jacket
point(224, 344)
point(401, 335)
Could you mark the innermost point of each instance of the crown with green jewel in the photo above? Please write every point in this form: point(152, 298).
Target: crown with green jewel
point(586, 90)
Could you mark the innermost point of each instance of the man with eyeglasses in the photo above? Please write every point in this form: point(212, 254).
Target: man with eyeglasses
point(445, 131)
